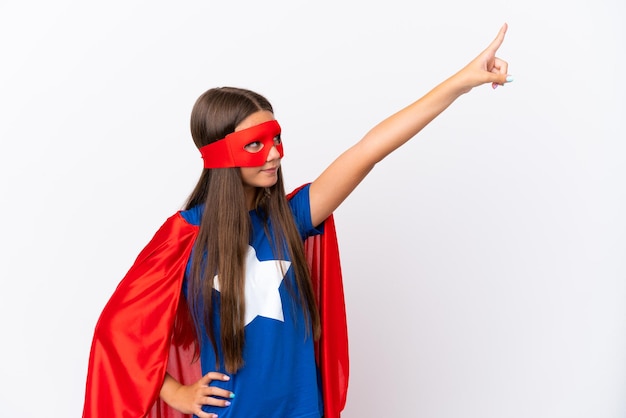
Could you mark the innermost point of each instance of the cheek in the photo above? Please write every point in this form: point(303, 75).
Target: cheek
point(246, 173)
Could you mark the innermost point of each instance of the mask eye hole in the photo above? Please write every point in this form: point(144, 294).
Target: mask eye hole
point(277, 140)
point(253, 147)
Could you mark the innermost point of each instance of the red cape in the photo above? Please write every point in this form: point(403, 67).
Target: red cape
point(145, 329)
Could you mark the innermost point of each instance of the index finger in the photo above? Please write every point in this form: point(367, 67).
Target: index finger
point(210, 376)
point(495, 44)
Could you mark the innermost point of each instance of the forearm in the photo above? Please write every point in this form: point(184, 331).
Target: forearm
point(403, 125)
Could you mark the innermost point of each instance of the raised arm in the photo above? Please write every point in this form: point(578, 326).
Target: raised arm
point(350, 168)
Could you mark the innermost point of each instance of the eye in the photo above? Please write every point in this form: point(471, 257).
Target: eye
point(254, 147)
point(277, 140)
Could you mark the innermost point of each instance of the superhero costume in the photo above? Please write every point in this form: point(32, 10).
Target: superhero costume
point(145, 328)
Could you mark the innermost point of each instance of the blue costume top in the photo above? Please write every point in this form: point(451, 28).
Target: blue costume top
point(279, 377)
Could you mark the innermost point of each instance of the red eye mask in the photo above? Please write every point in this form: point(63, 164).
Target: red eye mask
point(230, 151)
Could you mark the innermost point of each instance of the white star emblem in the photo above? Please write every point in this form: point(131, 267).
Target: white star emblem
point(263, 278)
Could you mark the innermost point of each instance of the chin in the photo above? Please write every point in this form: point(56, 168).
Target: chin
point(262, 183)
point(270, 183)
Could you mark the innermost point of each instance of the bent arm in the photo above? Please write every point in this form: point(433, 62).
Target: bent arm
point(189, 399)
point(334, 185)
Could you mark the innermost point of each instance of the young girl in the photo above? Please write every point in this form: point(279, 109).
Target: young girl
point(226, 312)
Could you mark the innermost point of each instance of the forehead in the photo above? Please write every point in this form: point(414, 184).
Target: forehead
point(255, 119)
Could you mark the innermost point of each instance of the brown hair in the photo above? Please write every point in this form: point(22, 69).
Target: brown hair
point(224, 234)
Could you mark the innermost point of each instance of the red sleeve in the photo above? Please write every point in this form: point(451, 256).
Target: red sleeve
point(131, 343)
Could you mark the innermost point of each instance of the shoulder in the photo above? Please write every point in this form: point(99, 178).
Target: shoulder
point(299, 202)
point(298, 190)
point(175, 229)
point(300, 205)
point(299, 196)
point(192, 216)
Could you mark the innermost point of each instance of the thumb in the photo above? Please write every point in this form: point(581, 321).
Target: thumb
point(500, 79)
point(503, 78)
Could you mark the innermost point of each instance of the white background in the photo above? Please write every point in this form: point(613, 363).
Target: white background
point(484, 262)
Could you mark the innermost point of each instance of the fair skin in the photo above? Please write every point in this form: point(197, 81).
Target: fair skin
point(343, 175)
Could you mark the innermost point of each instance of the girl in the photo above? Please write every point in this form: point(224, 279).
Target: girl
point(226, 312)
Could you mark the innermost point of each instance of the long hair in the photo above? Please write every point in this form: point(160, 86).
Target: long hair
point(225, 229)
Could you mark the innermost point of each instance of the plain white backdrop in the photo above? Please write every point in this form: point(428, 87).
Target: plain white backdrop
point(484, 262)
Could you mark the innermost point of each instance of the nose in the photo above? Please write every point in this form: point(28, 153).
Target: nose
point(273, 154)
